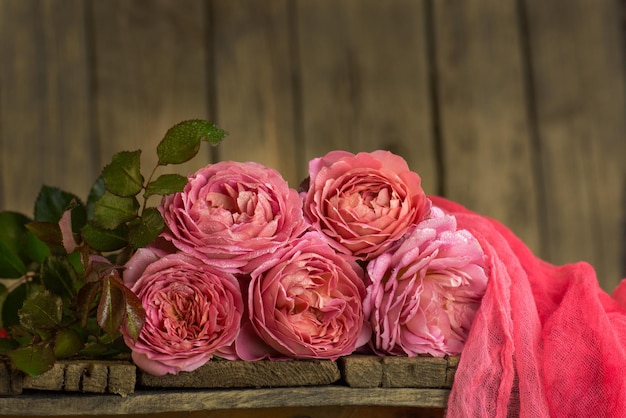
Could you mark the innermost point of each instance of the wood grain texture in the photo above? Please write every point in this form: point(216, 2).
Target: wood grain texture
point(150, 73)
point(115, 377)
point(362, 86)
point(485, 136)
point(251, 45)
point(149, 402)
point(242, 374)
point(360, 371)
point(399, 372)
point(297, 412)
point(10, 379)
point(44, 101)
point(578, 75)
point(373, 381)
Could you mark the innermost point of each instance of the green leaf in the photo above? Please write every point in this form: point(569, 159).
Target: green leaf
point(67, 343)
point(32, 248)
point(122, 176)
point(49, 233)
point(166, 184)
point(94, 349)
point(59, 276)
point(34, 359)
point(15, 234)
point(146, 229)
point(111, 309)
point(42, 310)
point(182, 141)
point(4, 292)
point(105, 240)
point(11, 265)
point(97, 190)
point(52, 202)
point(111, 211)
point(14, 301)
point(12, 228)
point(7, 344)
point(75, 259)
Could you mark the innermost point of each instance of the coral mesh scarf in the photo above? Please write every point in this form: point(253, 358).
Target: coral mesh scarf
point(546, 341)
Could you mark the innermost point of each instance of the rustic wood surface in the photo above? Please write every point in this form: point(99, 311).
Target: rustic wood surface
point(578, 87)
point(514, 108)
point(483, 113)
point(242, 374)
point(73, 376)
point(299, 412)
point(296, 412)
point(157, 401)
point(363, 86)
point(398, 372)
point(109, 387)
point(149, 63)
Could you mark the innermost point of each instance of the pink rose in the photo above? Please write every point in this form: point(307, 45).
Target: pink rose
point(192, 309)
point(143, 257)
point(424, 295)
point(365, 202)
point(230, 213)
point(308, 304)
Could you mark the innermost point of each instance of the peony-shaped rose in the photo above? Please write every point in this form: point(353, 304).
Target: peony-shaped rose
point(193, 310)
point(230, 213)
point(363, 203)
point(308, 304)
point(423, 296)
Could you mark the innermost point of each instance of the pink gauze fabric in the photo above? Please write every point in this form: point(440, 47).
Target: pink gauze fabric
point(546, 340)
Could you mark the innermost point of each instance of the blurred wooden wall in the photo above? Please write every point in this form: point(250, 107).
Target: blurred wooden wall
point(515, 108)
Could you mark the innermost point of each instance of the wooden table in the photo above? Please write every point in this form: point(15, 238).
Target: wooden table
point(363, 384)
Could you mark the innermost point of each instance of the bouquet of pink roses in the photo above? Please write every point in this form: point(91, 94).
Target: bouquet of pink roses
point(233, 263)
point(248, 268)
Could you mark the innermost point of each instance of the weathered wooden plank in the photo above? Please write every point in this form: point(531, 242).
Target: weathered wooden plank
point(150, 74)
point(86, 377)
point(45, 120)
point(122, 378)
point(10, 379)
point(251, 45)
point(150, 402)
point(364, 81)
point(94, 376)
point(578, 74)
point(324, 412)
point(453, 363)
point(400, 372)
point(361, 371)
point(486, 140)
point(242, 374)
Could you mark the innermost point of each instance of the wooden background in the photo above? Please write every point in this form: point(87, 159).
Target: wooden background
point(515, 108)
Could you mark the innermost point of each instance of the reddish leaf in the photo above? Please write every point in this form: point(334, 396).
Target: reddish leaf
point(67, 236)
point(111, 309)
point(84, 300)
point(135, 313)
